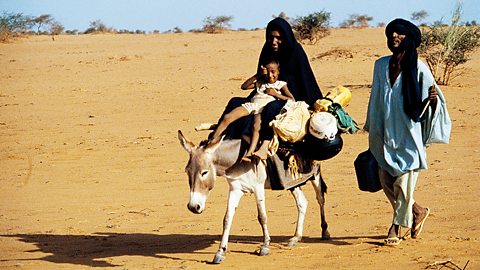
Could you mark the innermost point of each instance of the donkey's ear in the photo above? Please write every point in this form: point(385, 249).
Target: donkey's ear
point(186, 143)
point(211, 147)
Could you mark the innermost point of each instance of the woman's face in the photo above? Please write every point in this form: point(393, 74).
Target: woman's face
point(275, 40)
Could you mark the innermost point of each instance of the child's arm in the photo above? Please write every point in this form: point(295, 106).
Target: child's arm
point(249, 83)
point(286, 93)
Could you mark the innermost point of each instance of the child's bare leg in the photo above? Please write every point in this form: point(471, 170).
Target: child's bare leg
point(257, 121)
point(237, 113)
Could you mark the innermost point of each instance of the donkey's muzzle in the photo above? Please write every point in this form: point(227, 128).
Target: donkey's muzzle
point(195, 208)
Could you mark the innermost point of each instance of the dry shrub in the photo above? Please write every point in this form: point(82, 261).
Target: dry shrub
point(13, 25)
point(98, 27)
point(356, 21)
point(312, 27)
point(216, 24)
point(336, 53)
point(5, 35)
point(445, 48)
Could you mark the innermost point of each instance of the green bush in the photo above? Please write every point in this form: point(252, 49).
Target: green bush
point(13, 25)
point(445, 48)
point(312, 27)
point(356, 21)
point(98, 27)
point(216, 24)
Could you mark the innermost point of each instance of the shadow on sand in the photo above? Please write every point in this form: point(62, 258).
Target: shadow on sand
point(93, 250)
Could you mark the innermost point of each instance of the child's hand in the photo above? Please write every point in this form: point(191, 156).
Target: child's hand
point(263, 70)
point(271, 92)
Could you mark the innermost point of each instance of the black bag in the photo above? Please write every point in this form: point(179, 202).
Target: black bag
point(366, 169)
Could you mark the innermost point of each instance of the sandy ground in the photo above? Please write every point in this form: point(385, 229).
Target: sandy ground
point(92, 173)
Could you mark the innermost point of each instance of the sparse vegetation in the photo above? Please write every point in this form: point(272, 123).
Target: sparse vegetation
point(213, 25)
point(13, 25)
point(419, 16)
point(312, 27)
point(42, 20)
point(98, 27)
point(445, 48)
point(282, 15)
point(56, 28)
point(357, 21)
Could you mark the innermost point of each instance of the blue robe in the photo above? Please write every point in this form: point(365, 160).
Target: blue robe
point(396, 141)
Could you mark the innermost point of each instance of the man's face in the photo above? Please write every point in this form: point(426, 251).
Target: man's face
point(397, 39)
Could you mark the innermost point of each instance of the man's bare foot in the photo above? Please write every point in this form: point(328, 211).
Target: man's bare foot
point(393, 238)
point(419, 221)
point(394, 231)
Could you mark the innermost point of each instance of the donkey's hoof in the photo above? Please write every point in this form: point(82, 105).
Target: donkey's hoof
point(326, 235)
point(293, 241)
point(219, 257)
point(264, 251)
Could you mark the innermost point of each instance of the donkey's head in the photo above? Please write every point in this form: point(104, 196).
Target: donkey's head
point(201, 172)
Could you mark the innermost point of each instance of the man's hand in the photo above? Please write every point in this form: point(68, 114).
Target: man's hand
point(432, 93)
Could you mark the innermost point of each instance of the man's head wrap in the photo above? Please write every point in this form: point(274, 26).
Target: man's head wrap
point(412, 95)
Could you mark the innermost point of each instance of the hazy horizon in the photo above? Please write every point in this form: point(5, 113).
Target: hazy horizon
point(147, 15)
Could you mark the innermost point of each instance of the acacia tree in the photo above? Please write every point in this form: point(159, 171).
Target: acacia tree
point(312, 27)
point(282, 15)
point(356, 20)
point(419, 16)
point(98, 27)
point(12, 25)
point(445, 48)
point(217, 24)
point(41, 20)
point(56, 28)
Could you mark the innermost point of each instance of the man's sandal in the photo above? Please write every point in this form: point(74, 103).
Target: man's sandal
point(392, 241)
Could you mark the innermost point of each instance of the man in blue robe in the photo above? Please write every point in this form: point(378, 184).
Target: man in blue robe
point(406, 113)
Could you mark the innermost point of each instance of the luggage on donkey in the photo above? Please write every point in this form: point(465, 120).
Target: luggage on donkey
point(291, 124)
point(323, 141)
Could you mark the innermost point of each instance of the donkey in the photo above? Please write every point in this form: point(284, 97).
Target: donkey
point(223, 158)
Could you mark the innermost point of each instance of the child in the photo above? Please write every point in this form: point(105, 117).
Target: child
point(268, 88)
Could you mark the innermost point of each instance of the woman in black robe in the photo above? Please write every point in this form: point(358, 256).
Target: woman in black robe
point(281, 45)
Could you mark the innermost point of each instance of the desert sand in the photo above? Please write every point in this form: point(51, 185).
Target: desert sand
point(92, 173)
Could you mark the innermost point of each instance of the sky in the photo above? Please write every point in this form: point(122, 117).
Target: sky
point(164, 15)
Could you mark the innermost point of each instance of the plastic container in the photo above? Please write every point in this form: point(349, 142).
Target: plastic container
point(366, 169)
point(323, 125)
point(339, 94)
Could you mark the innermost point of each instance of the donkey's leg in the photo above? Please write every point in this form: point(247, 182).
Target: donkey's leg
point(302, 204)
point(234, 197)
point(262, 219)
point(320, 189)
